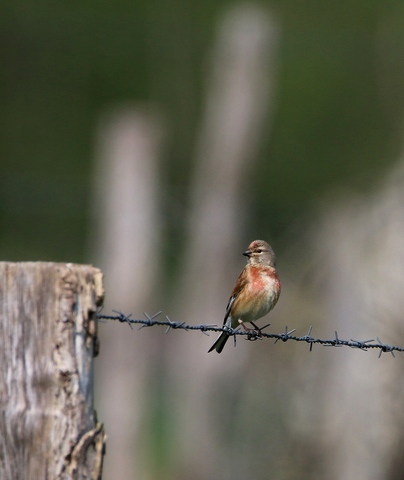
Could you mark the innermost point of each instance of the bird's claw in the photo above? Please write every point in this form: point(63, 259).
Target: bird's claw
point(254, 333)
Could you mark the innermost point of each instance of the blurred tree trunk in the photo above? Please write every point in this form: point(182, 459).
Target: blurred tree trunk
point(48, 338)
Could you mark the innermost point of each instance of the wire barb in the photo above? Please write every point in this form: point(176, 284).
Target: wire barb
point(252, 335)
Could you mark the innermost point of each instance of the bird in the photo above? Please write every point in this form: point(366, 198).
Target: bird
point(255, 293)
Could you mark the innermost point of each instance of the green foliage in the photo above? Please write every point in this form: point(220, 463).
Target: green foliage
point(337, 113)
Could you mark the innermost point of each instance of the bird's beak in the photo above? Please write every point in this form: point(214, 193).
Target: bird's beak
point(247, 253)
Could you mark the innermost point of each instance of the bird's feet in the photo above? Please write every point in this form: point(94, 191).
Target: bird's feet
point(253, 333)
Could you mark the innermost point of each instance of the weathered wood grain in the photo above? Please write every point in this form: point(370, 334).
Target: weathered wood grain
point(48, 339)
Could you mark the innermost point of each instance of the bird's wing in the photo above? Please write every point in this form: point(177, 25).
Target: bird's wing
point(228, 308)
point(238, 287)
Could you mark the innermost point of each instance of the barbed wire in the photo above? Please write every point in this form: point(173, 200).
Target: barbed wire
point(252, 335)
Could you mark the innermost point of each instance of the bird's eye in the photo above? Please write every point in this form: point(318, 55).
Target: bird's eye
point(259, 251)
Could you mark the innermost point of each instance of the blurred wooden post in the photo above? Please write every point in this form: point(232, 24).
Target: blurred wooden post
point(126, 245)
point(48, 338)
point(239, 99)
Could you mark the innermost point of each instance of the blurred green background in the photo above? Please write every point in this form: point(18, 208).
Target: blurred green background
point(337, 115)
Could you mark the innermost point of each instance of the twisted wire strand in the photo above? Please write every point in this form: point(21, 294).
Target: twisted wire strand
point(252, 335)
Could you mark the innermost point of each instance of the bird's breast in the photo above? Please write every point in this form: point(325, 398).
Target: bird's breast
point(259, 296)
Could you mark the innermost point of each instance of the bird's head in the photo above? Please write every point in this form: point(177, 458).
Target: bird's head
point(260, 252)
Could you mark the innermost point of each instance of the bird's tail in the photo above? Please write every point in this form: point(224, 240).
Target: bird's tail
point(220, 342)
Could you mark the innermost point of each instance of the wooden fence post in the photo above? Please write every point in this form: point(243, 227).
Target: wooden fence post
point(48, 338)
